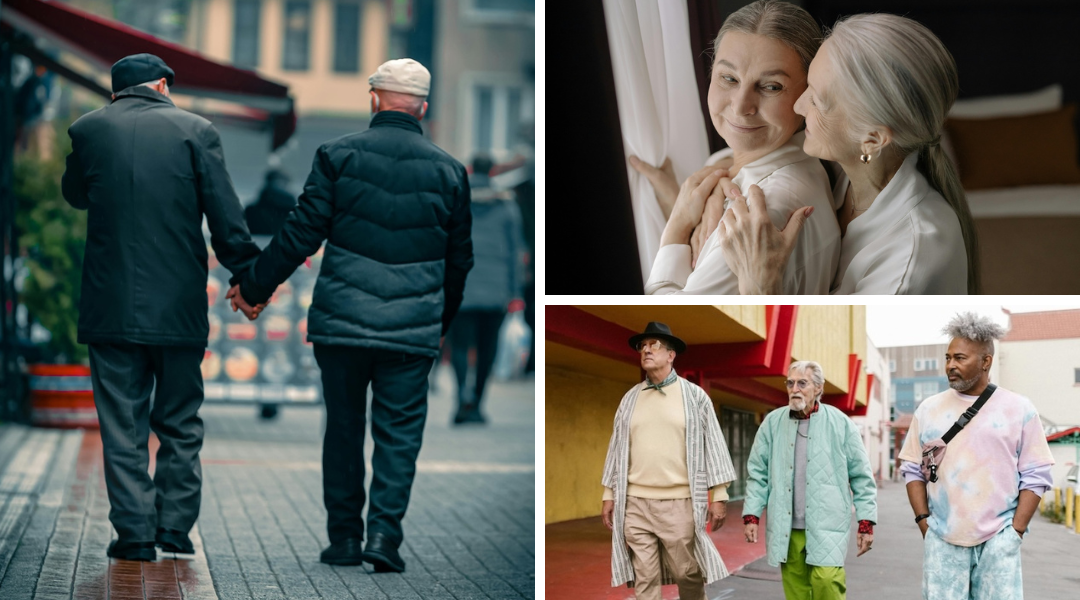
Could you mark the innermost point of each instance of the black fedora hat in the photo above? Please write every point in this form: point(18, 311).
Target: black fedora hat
point(659, 331)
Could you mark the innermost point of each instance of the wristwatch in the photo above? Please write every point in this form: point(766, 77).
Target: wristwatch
point(921, 517)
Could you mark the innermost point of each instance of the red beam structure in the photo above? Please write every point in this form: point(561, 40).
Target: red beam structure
point(732, 368)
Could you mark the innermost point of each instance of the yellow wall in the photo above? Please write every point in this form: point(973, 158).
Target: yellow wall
point(578, 415)
point(318, 89)
point(583, 391)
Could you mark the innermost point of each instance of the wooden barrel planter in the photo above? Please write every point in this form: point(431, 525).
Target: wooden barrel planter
point(62, 396)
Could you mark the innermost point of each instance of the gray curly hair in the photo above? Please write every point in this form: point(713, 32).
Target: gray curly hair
point(817, 374)
point(977, 328)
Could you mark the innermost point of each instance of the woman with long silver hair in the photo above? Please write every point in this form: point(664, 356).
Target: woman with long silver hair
point(878, 92)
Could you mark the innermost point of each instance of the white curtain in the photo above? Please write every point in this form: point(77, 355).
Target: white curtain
point(659, 109)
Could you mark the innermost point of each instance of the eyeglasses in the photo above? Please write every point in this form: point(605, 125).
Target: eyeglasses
point(802, 384)
point(654, 346)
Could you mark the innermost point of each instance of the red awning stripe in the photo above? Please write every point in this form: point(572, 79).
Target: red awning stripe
point(104, 42)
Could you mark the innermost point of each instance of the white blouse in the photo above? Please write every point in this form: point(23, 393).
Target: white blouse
point(790, 179)
point(907, 242)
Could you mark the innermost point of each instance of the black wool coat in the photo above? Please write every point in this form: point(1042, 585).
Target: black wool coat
point(394, 210)
point(148, 172)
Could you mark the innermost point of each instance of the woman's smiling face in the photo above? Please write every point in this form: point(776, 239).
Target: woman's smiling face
point(755, 83)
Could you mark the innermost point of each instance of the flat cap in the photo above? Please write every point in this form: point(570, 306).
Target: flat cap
point(403, 75)
point(139, 68)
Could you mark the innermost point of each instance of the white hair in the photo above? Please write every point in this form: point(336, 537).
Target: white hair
point(976, 328)
point(817, 374)
point(154, 83)
point(893, 71)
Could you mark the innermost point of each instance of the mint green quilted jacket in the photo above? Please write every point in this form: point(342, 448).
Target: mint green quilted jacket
point(838, 475)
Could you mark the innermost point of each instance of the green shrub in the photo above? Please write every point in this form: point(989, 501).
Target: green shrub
point(52, 236)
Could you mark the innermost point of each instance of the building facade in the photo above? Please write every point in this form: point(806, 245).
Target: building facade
point(738, 354)
point(917, 372)
point(876, 424)
point(1040, 359)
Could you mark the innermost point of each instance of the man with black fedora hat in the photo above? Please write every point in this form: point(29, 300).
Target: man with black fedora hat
point(148, 172)
point(665, 478)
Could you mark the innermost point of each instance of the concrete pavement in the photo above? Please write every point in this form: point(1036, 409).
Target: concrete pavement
point(469, 532)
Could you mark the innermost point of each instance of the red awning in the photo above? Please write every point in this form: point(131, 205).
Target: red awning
point(103, 42)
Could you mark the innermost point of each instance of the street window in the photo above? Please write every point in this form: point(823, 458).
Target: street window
point(297, 36)
point(497, 112)
point(246, 33)
point(918, 364)
point(892, 366)
point(347, 37)
point(925, 389)
point(1077, 376)
point(499, 12)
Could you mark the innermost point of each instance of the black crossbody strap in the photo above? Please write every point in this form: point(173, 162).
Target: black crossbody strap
point(969, 414)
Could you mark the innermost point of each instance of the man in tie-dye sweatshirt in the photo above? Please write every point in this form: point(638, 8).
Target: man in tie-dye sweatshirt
point(990, 481)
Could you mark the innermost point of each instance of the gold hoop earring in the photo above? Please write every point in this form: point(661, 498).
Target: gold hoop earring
point(865, 158)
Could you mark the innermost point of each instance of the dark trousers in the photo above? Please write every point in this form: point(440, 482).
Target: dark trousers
point(474, 329)
point(123, 377)
point(398, 411)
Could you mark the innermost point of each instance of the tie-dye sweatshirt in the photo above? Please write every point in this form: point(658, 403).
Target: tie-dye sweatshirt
point(978, 484)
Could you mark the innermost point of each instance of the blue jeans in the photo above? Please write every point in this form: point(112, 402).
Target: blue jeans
point(989, 571)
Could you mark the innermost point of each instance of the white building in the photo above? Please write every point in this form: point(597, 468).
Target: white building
point(874, 426)
point(1040, 359)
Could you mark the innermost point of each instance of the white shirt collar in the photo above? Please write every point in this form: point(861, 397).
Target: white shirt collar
point(904, 192)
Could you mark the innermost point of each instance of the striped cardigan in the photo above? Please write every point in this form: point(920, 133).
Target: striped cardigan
point(707, 459)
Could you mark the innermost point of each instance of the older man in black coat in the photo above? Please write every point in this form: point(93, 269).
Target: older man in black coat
point(394, 211)
point(148, 172)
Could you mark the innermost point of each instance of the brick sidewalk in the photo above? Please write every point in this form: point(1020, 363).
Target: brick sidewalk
point(469, 532)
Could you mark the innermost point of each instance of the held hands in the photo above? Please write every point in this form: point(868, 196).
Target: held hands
point(717, 514)
point(864, 541)
point(607, 512)
point(754, 249)
point(238, 302)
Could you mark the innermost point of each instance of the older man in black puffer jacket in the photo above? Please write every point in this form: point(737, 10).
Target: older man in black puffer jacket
point(394, 211)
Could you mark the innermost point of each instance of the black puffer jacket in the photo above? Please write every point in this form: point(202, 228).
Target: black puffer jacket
point(394, 210)
point(148, 172)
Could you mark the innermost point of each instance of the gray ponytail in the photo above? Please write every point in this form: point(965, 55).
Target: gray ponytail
point(896, 73)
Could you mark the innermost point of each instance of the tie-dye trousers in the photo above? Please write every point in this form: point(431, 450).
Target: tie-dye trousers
point(989, 571)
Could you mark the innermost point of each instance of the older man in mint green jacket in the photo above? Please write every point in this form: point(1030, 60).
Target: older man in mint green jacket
point(808, 466)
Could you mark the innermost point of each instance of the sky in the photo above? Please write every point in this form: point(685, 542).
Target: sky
point(916, 325)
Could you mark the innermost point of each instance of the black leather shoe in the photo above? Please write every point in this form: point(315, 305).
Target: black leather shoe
point(383, 555)
point(348, 552)
point(171, 540)
point(132, 550)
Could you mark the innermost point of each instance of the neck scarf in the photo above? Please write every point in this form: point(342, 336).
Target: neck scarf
point(670, 379)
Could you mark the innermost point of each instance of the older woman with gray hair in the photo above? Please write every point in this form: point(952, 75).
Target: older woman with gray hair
point(809, 508)
point(760, 57)
point(877, 95)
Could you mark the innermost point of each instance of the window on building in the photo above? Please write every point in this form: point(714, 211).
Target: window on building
point(497, 114)
point(347, 37)
point(892, 366)
point(930, 364)
point(297, 50)
point(925, 389)
point(918, 364)
point(1077, 376)
point(246, 33)
point(499, 12)
point(485, 118)
point(739, 430)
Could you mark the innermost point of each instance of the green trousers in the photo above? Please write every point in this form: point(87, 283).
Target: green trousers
point(809, 582)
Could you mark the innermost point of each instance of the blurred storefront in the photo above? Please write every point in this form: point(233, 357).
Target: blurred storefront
point(738, 354)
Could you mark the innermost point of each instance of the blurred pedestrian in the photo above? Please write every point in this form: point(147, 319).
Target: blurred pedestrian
point(267, 214)
point(393, 209)
point(494, 281)
point(148, 172)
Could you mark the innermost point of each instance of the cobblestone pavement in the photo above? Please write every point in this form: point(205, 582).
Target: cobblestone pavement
point(469, 532)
